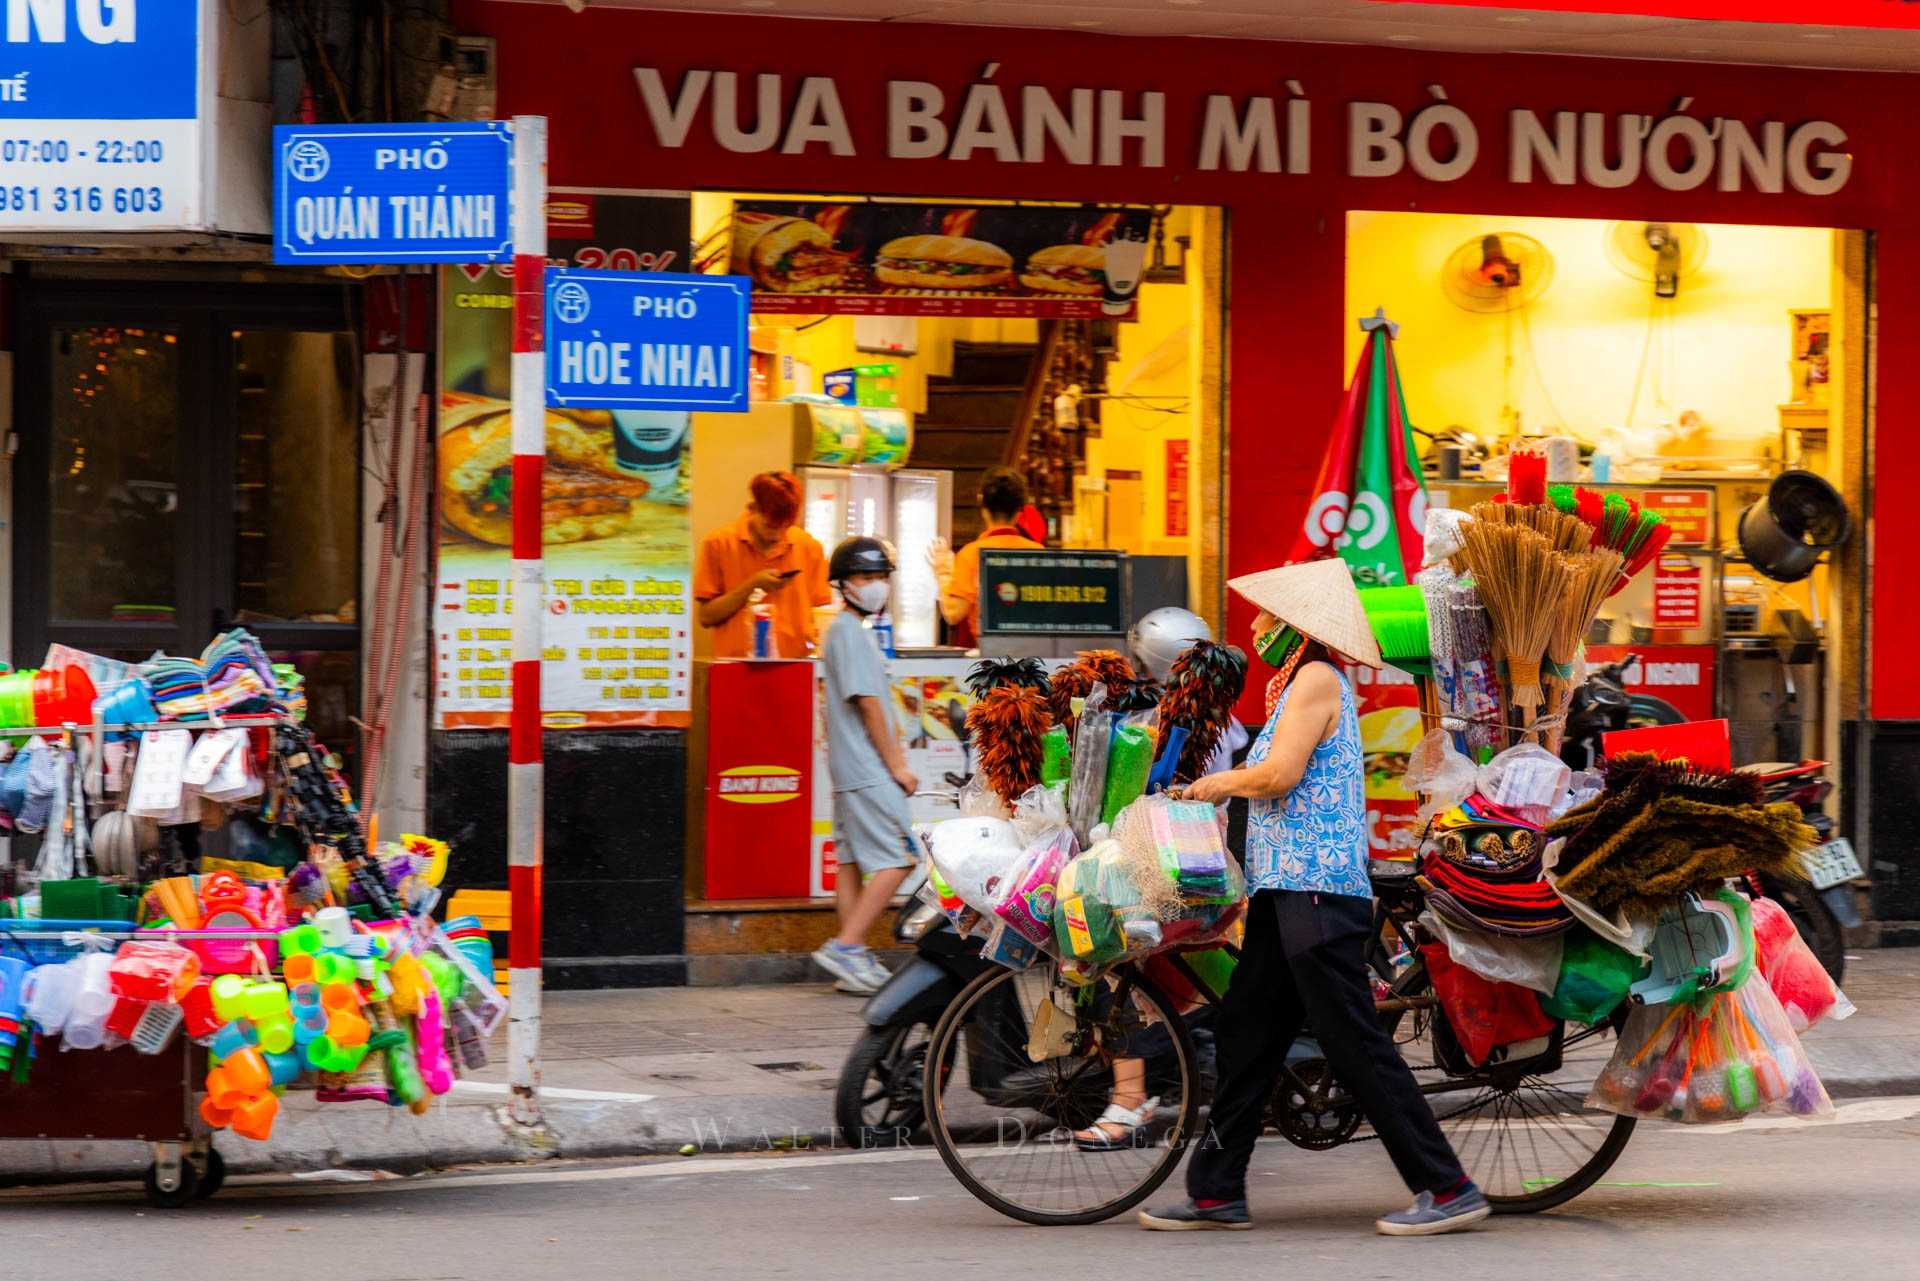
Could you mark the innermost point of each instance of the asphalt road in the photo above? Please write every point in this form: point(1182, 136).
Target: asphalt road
point(1772, 1199)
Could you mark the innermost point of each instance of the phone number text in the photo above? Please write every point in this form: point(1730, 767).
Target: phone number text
point(60, 200)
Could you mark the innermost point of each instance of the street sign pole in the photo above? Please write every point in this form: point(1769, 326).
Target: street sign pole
point(524, 767)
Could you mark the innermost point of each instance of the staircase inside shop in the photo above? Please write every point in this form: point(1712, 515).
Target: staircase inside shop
point(996, 408)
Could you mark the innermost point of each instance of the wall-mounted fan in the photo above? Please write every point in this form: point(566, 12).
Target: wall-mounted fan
point(1501, 271)
point(1663, 253)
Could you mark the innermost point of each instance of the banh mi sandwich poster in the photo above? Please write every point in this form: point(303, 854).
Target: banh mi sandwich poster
point(825, 257)
point(615, 528)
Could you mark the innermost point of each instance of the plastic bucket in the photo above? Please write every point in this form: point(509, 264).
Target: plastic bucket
point(16, 699)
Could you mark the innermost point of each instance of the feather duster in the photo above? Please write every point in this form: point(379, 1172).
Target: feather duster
point(991, 673)
point(1205, 683)
point(1076, 680)
point(1006, 727)
point(1141, 695)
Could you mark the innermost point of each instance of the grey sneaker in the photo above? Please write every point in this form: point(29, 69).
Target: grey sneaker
point(1424, 1219)
point(1185, 1216)
point(848, 966)
point(872, 969)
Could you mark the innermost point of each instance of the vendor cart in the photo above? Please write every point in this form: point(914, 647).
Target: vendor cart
point(116, 1093)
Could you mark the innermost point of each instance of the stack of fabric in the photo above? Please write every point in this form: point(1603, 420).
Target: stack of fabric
point(1484, 873)
point(232, 675)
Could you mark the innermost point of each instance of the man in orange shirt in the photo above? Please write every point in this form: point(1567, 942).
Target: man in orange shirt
point(1003, 497)
point(766, 551)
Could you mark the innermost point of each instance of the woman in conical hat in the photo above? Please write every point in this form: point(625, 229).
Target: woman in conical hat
point(1303, 963)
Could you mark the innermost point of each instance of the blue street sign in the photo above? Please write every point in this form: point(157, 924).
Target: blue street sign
point(393, 193)
point(647, 340)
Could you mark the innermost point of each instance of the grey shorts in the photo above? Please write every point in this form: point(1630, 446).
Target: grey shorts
point(873, 829)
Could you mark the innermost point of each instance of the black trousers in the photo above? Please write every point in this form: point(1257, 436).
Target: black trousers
point(1304, 964)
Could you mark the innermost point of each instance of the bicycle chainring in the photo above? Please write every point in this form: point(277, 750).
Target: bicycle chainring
point(1311, 1109)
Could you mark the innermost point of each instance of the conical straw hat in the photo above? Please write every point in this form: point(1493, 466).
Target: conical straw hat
point(1319, 599)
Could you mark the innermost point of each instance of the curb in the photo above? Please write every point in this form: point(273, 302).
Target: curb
point(483, 1136)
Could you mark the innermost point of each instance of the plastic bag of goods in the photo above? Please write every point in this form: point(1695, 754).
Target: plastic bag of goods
point(1176, 855)
point(1805, 990)
point(1026, 897)
point(1731, 1056)
point(969, 853)
point(1439, 771)
point(1100, 917)
point(1595, 977)
point(1039, 814)
point(1533, 963)
point(1005, 947)
point(1482, 1013)
point(1087, 788)
point(1527, 779)
point(1129, 760)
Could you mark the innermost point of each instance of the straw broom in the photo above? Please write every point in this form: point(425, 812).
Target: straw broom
point(1590, 579)
point(1521, 580)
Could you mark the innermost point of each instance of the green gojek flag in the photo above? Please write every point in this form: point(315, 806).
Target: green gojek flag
point(1370, 504)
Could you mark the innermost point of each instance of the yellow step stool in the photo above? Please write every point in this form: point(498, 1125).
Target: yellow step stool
point(494, 908)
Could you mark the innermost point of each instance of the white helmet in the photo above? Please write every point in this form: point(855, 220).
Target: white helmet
point(1163, 635)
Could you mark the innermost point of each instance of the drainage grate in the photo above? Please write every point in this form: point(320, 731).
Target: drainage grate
point(789, 1067)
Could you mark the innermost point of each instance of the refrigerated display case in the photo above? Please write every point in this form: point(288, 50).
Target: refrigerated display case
point(909, 509)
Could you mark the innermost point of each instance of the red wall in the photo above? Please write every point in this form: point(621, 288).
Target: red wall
point(1288, 230)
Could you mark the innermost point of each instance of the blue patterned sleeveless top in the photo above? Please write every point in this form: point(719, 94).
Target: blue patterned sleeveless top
point(1315, 837)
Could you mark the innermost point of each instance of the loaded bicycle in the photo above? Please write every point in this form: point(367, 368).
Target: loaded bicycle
point(1518, 1122)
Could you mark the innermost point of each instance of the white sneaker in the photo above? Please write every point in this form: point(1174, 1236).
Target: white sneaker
point(847, 967)
point(876, 973)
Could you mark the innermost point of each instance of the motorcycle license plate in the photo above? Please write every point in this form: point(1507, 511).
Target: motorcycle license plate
point(1830, 864)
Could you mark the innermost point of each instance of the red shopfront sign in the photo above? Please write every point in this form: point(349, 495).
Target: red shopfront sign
point(1887, 15)
point(1290, 137)
point(1678, 675)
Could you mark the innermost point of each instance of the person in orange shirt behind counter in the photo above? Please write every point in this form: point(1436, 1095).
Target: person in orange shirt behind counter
point(764, 550)
point(1003, 500)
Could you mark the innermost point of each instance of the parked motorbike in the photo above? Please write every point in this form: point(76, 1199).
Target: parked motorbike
point(1603, 705)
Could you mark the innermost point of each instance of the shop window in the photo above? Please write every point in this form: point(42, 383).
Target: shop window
point(189, 461)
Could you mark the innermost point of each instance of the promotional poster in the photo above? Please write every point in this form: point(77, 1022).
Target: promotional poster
point(617, 540)
point(820, 258)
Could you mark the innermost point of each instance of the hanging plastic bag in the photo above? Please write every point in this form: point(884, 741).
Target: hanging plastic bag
point(971, 852)
point(1732, 1056)
point(979, 800)
point(1087, 789)
point(1594, 978)
point(1040, 812)
point(1584, 786)
point(1026, 896)
point(1532, 963)
point(1439, 771)
point(1806, 991)
point(1527, 779)
point(1483, 1014)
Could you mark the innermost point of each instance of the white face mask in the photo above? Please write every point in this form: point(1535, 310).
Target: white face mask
point(869, 597)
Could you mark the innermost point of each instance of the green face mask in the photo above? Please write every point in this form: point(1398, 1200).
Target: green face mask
point(1276, 646)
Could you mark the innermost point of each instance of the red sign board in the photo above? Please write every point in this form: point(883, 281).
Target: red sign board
point(1177, 455)
point(1688, 511)
point(1891, 15)
point(759, 779)
point(1676, 592)
point(1679, 675)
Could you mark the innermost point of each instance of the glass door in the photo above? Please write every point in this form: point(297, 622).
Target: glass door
point(190, 462)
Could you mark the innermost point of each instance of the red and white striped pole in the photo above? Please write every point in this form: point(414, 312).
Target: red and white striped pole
point(524, 769)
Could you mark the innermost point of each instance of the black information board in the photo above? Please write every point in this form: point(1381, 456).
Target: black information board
point(1052, 591)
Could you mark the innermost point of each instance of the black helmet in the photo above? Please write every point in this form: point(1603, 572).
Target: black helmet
point(860, 555)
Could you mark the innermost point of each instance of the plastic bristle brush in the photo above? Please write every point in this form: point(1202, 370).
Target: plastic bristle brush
point(1651, 543)
point(1562, 497)
point(1590, 505)
point(1613, 524)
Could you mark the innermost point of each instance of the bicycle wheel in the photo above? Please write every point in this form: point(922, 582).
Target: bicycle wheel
point(1522, 1129)
point(1004, 1121)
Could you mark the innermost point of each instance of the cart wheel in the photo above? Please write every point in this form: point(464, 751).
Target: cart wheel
point(213, 1174)
point(189, 1185)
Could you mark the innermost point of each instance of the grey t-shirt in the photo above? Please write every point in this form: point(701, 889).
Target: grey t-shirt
point(855, 669)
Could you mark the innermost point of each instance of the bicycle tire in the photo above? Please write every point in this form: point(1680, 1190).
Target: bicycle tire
point(876, 1052)
point(1561, 1189)
point(940, 1054)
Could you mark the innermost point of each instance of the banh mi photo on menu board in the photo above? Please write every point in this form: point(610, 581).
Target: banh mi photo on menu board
point(584, 494)
point(942, 262)
point(787, 255)
point(1066, 269)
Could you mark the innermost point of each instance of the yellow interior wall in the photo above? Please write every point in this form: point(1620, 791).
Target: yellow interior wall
point(1152, 385)
point(1730, 345)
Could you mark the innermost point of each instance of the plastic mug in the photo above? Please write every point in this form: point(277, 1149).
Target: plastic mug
point(253, 1119)
point(335, 926)
point(247, 1071)
point(229, 995)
